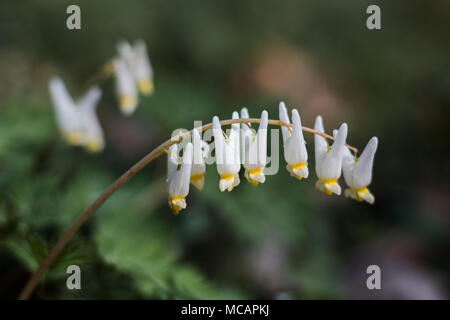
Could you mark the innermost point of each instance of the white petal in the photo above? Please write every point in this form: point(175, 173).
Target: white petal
point(225, 184)
point(364, 195)
point(144, 69)
point(219, 143)
point(178, 180)
point(198, 183)
point(172, 159)
point(338, 147)
point(198, 147)
point(126, 51)
point(244, 114)
point(246, 137)
point(235, 126)
point(285, 118)
point(125, 86)
point(328, 188)
point(334, 188)
point(363, 168)
point(235, 141)
point(300, 173)
point(262, 138)
point(92, 131)
point(198, 166)
point(90, 99)
point(320, 143)
point(329, 164)
point(295, 148)
point(65, 109)
point(367, 196)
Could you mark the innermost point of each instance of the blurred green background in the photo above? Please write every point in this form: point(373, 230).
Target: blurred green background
point(281, 240)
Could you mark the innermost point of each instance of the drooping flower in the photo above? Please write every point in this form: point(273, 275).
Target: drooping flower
point(138, 61)
point(67, 113)
point(125, 86)
point(227, 154)
point(178, 176)
point(295, 152)
point(358, 172)
point(329, 159)
point(78, 121)
point(93, 139)
point(254, 149)
point(201, 149)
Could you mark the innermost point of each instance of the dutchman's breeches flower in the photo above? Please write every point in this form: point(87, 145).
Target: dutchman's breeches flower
point(143, 70)
point(138, 62)
point(227, 154)
point(254, 148)
point(178, 177)
point(67, 113)
point(125, 87)
point(201, 149)
point(358, 172)
point(78, 121)
point(295, 152)
point(93, 139)
point(329, 160)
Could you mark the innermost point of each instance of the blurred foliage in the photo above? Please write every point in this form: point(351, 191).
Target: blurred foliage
point(282, 239)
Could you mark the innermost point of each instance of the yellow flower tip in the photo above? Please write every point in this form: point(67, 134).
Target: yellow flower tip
point(94, 145)
point(226, 176)
point(146, 86)
point(74, 138)
point(298, 170)
point(296, 176)
point(329, 186)
point(297, 166)
point(127, 103)
point(254, 172)
point(176, 204)
point(360, 195)
point(198, 180)
point(228, 181)
point(175, 209)
point(255, 176)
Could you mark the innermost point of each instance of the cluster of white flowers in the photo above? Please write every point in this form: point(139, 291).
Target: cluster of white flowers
point(78, 121)
point(133, 73)
point(243, 146)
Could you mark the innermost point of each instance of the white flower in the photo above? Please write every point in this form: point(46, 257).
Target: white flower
point(254, 148)
point(139, 63)
point(78, 121)
point(329, 160)
point(178, 176)
point(201, 149)
point(125, 86)
point(358, 172)
point(67, 113)
point(295, 152)
point(93, 139)
point(227, 154)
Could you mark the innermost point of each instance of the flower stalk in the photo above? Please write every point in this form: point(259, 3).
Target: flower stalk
point(158, 151)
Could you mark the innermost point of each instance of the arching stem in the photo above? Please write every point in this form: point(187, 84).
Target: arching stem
point(84, 217)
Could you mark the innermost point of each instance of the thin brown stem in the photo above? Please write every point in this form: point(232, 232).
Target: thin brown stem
point(65, 238)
